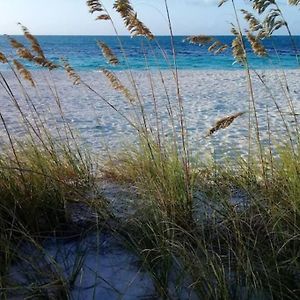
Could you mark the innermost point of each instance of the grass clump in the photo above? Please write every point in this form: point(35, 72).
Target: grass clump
point(37, 184)
point(159, 176)
point(219, 248)
point(189, 230)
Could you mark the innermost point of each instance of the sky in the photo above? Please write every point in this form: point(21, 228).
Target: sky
point(71, 17)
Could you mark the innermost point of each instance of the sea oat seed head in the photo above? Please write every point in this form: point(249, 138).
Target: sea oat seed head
point(256, 45)
point(23, 72)
point(3, 58)
point(95, 6)
point(224, 123)
point(71, 72)
point(133, 24)
point(117, 84)
point(35, 45)
point(108, 54)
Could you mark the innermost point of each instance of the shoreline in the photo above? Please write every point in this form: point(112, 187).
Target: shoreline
point(156, 70)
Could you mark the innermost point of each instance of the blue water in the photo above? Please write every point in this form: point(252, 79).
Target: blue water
point(84, 54)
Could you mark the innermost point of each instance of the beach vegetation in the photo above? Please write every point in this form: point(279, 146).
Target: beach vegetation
point(201, 229)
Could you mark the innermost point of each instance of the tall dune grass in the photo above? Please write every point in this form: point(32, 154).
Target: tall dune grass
point(43, 172)
point(234, 251)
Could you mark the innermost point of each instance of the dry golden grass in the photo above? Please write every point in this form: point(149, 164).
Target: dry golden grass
point(35, 45)
point(71, 72)
point(261, 5)
point(254, 23)
point(215, 45)
point(238, 50)
point(3, 58)
point(224, 123)
point(103, 17)
point(221, 2)
point(133, 24)
point(96, 7)
point(256, 45)
point(23, 72)
point(199, 39)
point(108, 54)
point(118, 85)
point(38, 57)
point(25, 53)
point(294, 2)
point(45, 63)
point(21, 50)
point(14, 43)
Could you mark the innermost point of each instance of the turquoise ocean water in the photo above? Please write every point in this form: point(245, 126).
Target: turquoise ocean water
point(84, 54)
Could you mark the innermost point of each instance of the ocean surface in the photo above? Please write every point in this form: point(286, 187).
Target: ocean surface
point(84, 54)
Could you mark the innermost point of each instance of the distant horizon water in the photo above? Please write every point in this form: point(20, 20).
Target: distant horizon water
point(84, 54)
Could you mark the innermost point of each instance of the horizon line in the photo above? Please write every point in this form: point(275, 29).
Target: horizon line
point(127, 35)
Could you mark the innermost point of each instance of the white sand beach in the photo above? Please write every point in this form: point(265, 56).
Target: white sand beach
point(208, 96)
